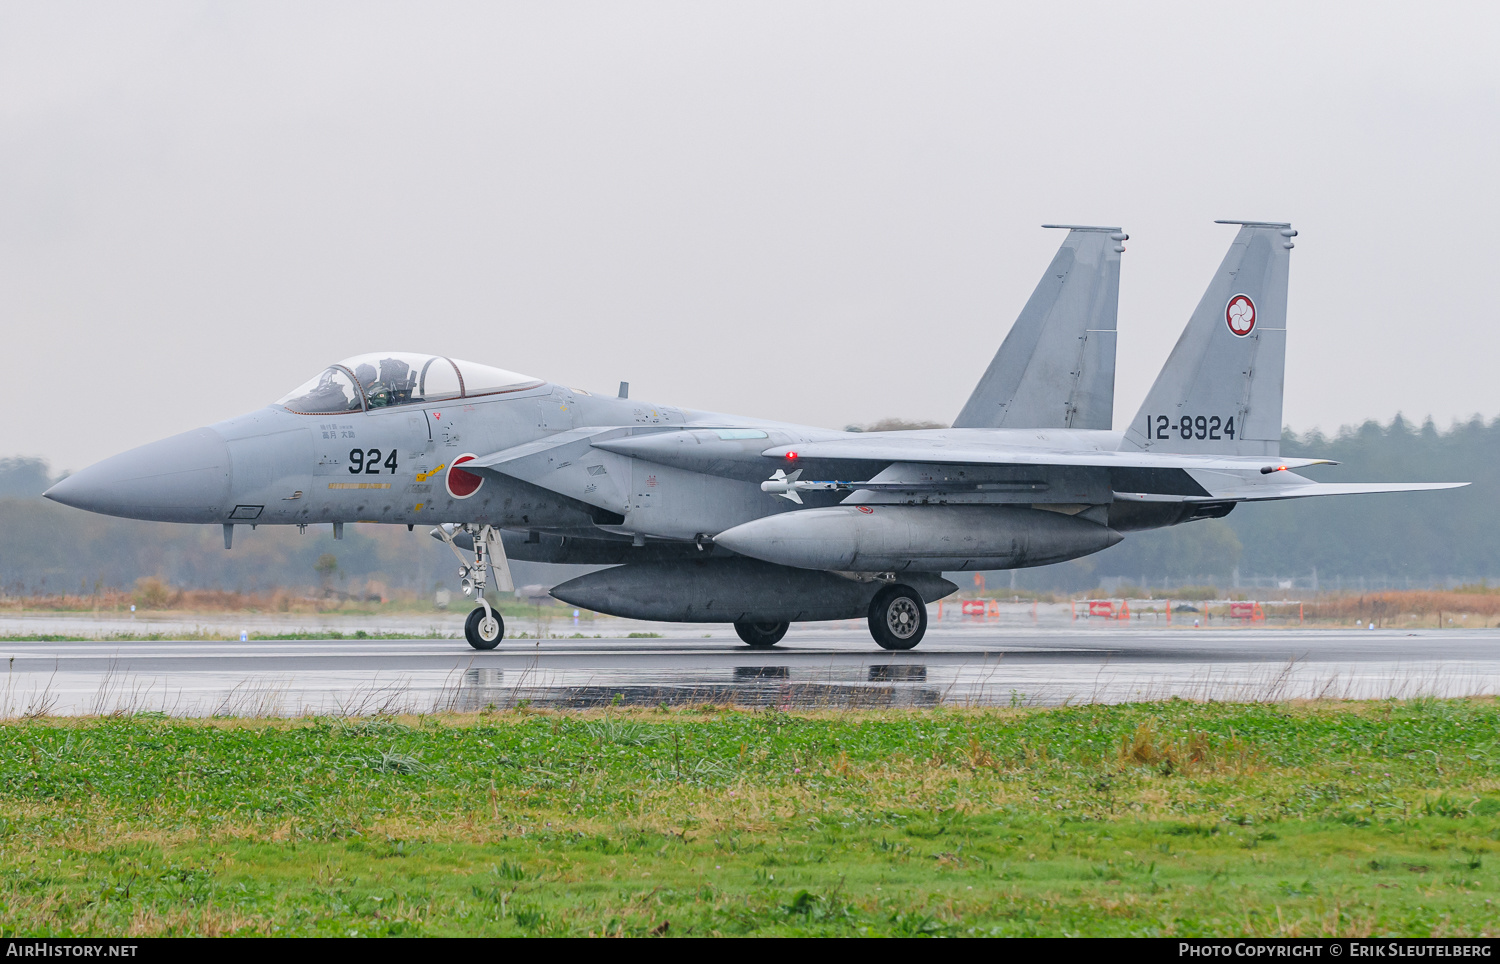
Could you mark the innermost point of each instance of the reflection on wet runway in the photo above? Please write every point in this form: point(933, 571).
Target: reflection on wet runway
point(819, 668)
point(749, 686)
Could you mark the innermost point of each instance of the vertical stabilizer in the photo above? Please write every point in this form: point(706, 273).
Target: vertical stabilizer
point(1220, 390)
point(1056, 368)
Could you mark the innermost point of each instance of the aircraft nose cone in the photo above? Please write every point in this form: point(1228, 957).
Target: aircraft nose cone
point(184, 478)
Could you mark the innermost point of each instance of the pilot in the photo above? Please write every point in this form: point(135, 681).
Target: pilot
point(377, 393)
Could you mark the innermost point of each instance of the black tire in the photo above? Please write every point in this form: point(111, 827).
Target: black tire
point(760, 635)
point(898, 617)
point(482, 636)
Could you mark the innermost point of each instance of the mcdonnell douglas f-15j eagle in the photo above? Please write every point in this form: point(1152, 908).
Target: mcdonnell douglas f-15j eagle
point(713, 518)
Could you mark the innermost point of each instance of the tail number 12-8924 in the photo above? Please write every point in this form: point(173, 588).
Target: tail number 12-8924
point(1189, 427)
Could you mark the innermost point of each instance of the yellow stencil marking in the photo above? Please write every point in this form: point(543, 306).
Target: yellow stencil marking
point(424, 476)
point(359, 485)
point(419, 507)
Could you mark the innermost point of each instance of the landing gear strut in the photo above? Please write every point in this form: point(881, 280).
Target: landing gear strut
point(485, 627)
point(898, 617)
point(760, 635)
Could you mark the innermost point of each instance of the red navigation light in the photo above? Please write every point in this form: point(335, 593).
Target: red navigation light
point(791, 455)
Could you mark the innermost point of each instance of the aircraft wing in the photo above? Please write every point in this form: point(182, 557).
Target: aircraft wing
point(592, 465)
point(1136, 476)
point(979, 452)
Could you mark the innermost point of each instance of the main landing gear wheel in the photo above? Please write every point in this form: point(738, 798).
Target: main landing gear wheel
point(484, 630)
point(898, 617)
point(760, 635)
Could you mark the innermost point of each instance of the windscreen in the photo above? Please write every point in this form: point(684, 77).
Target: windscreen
point(329, 392)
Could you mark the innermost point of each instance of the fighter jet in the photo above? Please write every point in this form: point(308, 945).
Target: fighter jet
point(703, 517)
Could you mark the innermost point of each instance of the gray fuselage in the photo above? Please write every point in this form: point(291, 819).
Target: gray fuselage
point(389, 465)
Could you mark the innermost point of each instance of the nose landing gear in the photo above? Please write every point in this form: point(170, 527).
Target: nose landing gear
point(485, 627)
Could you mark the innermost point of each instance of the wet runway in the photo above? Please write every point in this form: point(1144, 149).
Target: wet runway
point(816, 666)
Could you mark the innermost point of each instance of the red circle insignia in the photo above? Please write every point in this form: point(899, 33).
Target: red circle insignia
point(1239, 315)
point(866, 509)
point(462, 484)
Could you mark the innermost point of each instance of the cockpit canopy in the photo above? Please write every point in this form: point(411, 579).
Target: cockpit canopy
point(385, 379)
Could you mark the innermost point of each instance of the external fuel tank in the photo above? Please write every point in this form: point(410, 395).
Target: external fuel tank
point(919, 538)
point(727, 590)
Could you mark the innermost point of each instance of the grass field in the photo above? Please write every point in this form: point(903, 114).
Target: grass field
point(1154, 819)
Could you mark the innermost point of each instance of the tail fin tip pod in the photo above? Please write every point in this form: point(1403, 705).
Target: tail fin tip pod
point(1220, 390)
point(1056, 367)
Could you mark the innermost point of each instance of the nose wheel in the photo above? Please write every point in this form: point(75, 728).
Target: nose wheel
point(898, 618)
point(484, 628)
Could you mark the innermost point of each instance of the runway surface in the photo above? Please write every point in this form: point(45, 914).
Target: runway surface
point(816, 666)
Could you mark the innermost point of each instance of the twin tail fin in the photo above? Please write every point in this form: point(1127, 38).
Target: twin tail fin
point(1220, 391)
point(1056, 368)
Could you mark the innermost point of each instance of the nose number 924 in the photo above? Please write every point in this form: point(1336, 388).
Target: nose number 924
point(369, 462)
point(1188, 426)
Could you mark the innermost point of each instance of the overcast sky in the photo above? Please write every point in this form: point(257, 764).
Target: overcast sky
point(823, 213)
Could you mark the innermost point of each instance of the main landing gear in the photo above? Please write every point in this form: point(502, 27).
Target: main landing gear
point(898, 621)
point(760, 635)
point(485, 627)
point(898, 617)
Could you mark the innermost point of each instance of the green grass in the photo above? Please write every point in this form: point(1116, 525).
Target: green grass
point(1155, 819)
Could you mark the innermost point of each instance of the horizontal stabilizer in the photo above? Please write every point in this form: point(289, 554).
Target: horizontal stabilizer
point(1299, 490)
point(1267, 493)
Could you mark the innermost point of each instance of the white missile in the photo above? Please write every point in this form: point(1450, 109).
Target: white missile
point(787, 486)
point(783, 485)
